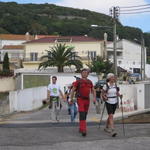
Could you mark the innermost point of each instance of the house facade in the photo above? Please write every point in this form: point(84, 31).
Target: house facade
point(12, 44)
point(85, 47)
point(128, 55)
point(15, 53)
point(14, 39)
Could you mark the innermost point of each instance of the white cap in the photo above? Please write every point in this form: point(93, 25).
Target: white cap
point(109, 75)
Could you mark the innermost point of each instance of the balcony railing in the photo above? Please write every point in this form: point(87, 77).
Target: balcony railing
point(29, 59)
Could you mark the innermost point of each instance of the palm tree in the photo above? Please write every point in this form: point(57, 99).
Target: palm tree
point(60, 56)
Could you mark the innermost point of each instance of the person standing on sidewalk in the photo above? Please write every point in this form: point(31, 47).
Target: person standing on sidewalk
point(67, 95)
point(110, 94)
point(83, 87)
point(99, 101)
point(54, 94)
point(72, 104)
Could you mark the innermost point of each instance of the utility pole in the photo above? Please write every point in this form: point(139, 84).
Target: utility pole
point(105, 47)
point(142, 58)
point(114, 11)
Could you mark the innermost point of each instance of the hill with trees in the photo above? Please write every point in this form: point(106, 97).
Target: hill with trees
point(56, 20)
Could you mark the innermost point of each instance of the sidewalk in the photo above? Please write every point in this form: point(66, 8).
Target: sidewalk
point(118, 115)
point(43, 116)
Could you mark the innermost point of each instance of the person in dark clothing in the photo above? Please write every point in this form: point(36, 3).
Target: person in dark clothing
point(67, 93)
point(99, 101)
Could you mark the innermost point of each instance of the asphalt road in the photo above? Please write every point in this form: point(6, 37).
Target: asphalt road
point(34, 131)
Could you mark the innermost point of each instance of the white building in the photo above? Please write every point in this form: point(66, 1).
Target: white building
point(14, 39)
point(128, 55)
point(12, 44)
point(15, 53)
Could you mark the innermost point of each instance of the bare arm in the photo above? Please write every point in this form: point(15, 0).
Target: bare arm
point(66, 95)
point(94, 94)
point(72, 93)
point(103, 95)
point(61, 94)
point(48, 94)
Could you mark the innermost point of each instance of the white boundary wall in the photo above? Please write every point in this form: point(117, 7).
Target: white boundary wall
point(27, 99)
point(133, 97)
point(30, 99)
point(129, 97)
point(140, 96)
point(147, 70)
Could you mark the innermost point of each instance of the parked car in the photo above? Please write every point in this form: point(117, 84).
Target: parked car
point(100, 83)
point(135, 76)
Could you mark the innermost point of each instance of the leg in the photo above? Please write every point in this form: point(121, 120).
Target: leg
point(107, 123)
point(75, 110)
point(110, 121)
point(83, 106)
point(72, 112)
point(69, 109)
point(109, 111)
point(81, 114)
point(57, 110)
point(82, 123)
point(97, 106)
point(52, 111)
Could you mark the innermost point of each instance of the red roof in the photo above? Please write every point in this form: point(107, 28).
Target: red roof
point(64, 39)
point(15, 37)
point(13, 47)
point(44, 36)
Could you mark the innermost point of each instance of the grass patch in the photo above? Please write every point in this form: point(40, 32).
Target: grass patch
point(3, 95)
point(139, 118)
point(31, 81)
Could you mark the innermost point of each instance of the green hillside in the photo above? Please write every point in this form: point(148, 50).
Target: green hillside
point(51, 19)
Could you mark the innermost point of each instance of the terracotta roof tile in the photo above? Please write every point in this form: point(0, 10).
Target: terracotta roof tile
point(44, 36)
point(15, 37)
point(11, 47)
point(64, 39)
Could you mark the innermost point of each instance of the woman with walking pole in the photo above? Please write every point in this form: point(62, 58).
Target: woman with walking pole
point(110, 95)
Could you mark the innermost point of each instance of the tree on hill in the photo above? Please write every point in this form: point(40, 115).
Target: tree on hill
point(61, 56)
point(51, 19)
point(6, 68)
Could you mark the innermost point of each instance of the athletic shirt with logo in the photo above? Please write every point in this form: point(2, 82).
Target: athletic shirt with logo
point(111, 93)
point(54, 89)
point(83, 88)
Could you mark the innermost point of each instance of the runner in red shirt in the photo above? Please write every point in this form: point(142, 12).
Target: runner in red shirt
point(83, 87)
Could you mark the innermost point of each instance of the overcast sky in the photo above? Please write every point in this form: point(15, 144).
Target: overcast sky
point(141, 20)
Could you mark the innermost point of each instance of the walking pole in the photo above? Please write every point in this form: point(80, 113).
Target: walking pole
point(122, 116)
point(102, 115)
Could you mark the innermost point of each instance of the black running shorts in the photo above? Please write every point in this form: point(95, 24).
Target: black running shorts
point(111, 108)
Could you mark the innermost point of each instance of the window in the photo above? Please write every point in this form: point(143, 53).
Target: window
point(92, 55)
point(33, 56)
point(136, 70)
point(119, 62)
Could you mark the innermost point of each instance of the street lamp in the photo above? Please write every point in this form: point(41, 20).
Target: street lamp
point(114, 43)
